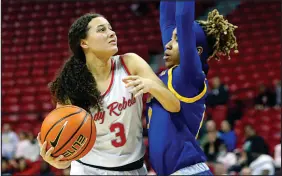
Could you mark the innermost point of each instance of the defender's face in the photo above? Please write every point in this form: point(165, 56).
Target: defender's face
point(101, 38)
point(171, 55)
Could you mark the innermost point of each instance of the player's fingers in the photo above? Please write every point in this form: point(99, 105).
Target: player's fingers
point(38, 140)
point(130, 84)
point(133, 83)
point(126, 81)
point(48, 153)
point(138, 88)
point(139, 93)
point(43, 149)
point(59, 158)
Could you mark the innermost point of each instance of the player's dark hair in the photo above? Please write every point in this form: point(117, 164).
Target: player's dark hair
point(220, 34)
point(75, 84)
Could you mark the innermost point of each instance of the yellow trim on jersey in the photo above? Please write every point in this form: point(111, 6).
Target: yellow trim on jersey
point(203, 116)
point(150, 112)
point(180, 97)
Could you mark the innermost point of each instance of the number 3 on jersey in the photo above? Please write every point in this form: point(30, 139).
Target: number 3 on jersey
point(120, 140)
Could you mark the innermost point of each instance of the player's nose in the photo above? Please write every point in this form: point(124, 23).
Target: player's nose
point(111, 34)
point(168, 45)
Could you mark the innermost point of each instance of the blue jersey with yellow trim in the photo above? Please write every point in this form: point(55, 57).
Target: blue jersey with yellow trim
point(172, 136)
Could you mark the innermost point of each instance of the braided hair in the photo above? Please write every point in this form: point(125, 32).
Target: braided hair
point(220, 35)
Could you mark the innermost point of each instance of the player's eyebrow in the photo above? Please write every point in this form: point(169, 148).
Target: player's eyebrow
point(101, 25)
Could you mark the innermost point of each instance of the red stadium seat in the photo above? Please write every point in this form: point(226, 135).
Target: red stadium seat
point(42, 89)
point(32, 118)
point(28, 108)
point(13, 108)
point(47, 106)
point(219, 114)
point(38, 72)
point(23, 81)
point(28, 90)
point(10, 119)
point(13, 91)
point(276, 126)
point(6, 82)
point(23, 68)
point(27, 99)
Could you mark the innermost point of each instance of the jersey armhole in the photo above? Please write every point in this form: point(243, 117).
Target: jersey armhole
point(180, 97)
point(124, 65)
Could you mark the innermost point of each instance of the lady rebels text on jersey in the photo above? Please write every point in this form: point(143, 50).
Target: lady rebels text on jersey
point(119, 127)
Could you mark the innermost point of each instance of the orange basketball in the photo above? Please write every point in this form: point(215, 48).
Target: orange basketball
point(70, 130)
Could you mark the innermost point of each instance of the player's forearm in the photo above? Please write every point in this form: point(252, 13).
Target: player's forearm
point(165, 97)
point(167, 20)
point(190, 63)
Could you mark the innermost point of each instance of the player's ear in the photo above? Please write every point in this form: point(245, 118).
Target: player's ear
point(200, 50)
point(84, 44)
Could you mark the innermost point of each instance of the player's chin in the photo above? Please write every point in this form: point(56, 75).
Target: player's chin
point(113, 50)
point(168, 64)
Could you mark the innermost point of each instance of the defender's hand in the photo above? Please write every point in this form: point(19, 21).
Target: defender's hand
point(140, 85)
point(55, 162)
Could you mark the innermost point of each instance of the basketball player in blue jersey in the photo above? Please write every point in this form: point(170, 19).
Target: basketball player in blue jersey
point(173, 148)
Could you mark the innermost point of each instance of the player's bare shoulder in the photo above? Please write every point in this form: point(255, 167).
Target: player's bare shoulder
point(132, 60)
point(130, 57)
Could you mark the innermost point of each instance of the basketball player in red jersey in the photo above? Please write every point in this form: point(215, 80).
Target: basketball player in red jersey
point(97, 81)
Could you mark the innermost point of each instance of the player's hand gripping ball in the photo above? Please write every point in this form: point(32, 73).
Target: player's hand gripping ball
point(68, 133)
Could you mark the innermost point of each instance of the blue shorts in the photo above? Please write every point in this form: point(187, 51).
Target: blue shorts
point(196, 169)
